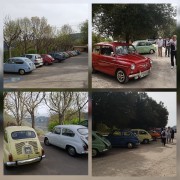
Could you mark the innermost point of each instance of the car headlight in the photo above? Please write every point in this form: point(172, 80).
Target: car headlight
point(133, 66)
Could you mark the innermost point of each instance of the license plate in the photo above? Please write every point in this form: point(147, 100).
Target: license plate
point(28, 150)
point(144, 74)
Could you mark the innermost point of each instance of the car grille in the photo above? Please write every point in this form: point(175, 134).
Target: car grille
point(143, 66)
point(19, 146)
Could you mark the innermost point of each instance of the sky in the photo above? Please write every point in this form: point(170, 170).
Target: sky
point(169, 100)
point(57, 14)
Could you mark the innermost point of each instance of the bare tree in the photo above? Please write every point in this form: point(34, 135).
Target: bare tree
point(14, 104)
point(81, 100)
point(11, 32)
point(32, 100)
point(59, 102)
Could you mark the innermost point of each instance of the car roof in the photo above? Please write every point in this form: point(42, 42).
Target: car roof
point(22, 58)
point(32, 54)
point(72, 127)
point(112, 44)
point(18, 128)
point(138, 129)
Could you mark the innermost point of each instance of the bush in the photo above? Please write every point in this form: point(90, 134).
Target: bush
point(52, 124)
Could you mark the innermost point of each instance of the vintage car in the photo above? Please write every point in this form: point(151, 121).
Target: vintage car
point(144, 47)
point(155, 135)
point(120, 60)
point(19, 65)
point(123, 138)
point(99, 144)
point(35, 58)
point(73, 138)
point(21, 146)
point(47, 59)
point(143, 135)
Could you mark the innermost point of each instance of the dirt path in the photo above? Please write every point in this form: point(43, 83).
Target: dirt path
point(147, 160)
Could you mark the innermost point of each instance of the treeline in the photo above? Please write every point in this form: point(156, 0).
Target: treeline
point(127, 110)
point(36, 35)
point(134, 21)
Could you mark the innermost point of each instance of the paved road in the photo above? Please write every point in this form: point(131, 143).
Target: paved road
point(71, 73)
point(57, 162)
point(161, 76)
point(146, 160)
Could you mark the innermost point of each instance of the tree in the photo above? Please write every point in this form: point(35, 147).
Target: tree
point(15, 105)
point(11, 32)
point(84, 32)
point(59, 102)
point(32, 101)
point(132, 21)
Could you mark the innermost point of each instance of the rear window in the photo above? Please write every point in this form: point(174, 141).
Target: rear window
point(29, 56)
point(23, 135)
point(83, 131)
point(38, 56)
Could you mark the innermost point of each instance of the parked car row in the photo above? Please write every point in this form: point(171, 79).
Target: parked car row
point(22, 145)
point(120, 138)
point(28, 62)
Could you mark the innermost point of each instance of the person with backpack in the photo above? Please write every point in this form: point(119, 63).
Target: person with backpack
point(163, 136)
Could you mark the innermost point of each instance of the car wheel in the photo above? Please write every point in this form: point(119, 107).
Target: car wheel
point(46, 63)
point(94, 152)
point(121, 76)
point(130, 145)
point(71, 151)
point(21, 71)
point(151, 51)
point(145, 141)
point(93, 70)
point(46, 142)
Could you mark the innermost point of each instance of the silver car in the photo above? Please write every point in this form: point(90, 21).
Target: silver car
point(73, 138)
point(35, 58)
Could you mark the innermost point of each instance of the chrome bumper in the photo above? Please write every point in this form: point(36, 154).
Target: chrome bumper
point(140, 74)
point(23, 162)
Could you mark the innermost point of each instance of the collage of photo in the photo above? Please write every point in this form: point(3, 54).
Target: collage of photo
point(89, 93)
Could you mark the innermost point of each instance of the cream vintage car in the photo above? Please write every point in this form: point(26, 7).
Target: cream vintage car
point(21, 146)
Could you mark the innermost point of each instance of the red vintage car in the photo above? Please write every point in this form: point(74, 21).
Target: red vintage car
point(120, 60)
point(47, 59)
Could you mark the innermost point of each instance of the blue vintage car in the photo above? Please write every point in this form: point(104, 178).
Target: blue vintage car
point(19, 65)
point(123, 138)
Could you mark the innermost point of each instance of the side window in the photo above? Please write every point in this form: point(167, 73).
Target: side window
point(29, 56)
point(106, 50)
point(5, 137)
point(57, 130)
point(135, 132)
point(142, 44)
point(96, 50)
point(142, 132)
point(117, 133)
point(18, 61)
point(67, 132)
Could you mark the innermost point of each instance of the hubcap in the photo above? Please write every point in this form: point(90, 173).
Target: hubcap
point(71, 151)
point(120, 76)
point(94, 152)
point(129, 145)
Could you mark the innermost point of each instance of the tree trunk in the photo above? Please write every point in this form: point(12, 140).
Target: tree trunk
point(79, 115)
point(33, 120)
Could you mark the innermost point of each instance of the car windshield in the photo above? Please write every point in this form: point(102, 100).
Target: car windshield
point(22, 135)
point(125, 49)
point(83, 131)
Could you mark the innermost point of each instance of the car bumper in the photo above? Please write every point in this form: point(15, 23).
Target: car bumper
point(38, 64)
point(140, 74)
point(23, 162)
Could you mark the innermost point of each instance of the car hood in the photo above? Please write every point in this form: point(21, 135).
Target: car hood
point(133, 58)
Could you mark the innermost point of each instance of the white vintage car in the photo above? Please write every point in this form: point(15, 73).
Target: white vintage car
point(73, 138)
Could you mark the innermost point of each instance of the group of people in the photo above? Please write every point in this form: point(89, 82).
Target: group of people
point(170, 46)
point(167, 135)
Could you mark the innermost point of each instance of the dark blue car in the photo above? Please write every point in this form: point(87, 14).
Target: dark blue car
point(123, 138)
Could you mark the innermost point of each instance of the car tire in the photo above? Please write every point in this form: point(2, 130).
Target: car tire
point(130, 145)
point(151, 51)
point(21, 71)
point(145, 141)
point(46, 142)
point(121, 76)
point(71, 151)
point(94, 152)
point(93, 70)
point(46, 63)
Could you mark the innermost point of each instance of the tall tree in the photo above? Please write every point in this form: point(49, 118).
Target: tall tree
point(32, 101)
point(14, 103)
point(11, 32)
point(84, 31)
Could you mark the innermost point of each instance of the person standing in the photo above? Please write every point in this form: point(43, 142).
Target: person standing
point(160, 45)
point(167, 47)
point(172, 134)
point(163, 136)
point(168, 137)
point(173, 44)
